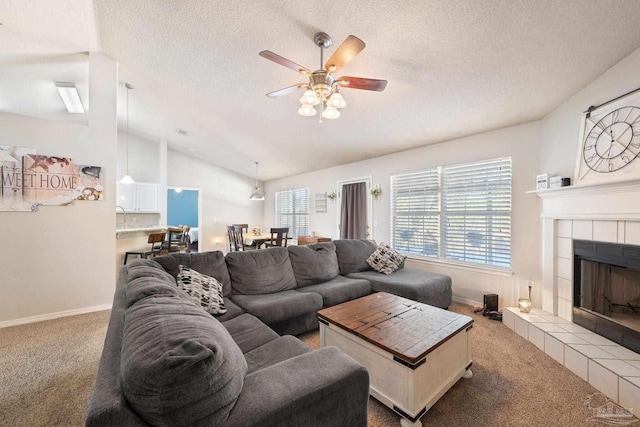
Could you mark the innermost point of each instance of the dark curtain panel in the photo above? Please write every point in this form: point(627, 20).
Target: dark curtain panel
point(353, 216)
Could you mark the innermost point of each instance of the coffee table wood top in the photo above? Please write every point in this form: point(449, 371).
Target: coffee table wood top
point(408, 329)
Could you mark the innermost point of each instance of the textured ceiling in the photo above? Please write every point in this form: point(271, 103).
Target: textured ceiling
point(454, 68)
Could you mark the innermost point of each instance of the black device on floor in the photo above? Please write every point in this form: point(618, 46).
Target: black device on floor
point(490, 304)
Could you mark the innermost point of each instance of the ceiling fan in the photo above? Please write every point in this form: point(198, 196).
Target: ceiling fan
point(323, 86)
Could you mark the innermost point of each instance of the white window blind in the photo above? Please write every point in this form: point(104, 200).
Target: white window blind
point(415, 213)
point(476, 210)
point(292, 210)
point(460, 213)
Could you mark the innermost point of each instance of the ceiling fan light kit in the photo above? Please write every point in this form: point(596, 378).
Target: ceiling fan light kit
point(323, 87)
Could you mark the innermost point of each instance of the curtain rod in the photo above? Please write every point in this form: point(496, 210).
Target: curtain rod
point(594, 107)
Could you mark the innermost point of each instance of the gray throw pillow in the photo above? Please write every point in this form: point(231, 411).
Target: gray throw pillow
point(385, 259)
point(179, 366)
point(205, 290)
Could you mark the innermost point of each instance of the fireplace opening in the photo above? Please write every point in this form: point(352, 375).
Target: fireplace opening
point(607, 290)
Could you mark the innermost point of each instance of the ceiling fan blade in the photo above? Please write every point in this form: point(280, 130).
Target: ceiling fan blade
point(345, 53)
point(286, 90)
point(284, 61)
point(362, 83)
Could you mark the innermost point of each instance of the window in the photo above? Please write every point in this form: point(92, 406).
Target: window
point(292, 210)
point(460, 213)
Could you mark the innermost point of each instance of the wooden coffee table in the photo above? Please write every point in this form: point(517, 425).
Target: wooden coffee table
point(414, 352)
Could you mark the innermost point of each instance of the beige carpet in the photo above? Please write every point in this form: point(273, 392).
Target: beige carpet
point(47, 368)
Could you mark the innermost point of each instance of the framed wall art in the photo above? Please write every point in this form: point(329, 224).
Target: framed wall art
point(609, 143)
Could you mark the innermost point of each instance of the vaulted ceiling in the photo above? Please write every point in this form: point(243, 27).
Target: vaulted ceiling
point(454, 68)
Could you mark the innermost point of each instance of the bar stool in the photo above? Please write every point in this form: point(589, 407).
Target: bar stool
point(156, 240)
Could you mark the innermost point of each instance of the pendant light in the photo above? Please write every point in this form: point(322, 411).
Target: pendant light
point(257, 194)
point(126, 179)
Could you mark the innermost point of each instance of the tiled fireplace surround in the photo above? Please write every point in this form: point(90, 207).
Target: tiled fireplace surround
point(607, 213)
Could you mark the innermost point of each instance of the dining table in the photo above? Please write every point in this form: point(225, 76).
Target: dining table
point(259, 239)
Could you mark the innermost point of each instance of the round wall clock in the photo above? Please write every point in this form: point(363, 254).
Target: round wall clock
point(614, 141)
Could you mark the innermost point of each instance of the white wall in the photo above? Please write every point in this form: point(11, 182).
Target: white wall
point(519, 142)
point(60, 259)
point(143, 158)
point(224, 194)
point(561, 128)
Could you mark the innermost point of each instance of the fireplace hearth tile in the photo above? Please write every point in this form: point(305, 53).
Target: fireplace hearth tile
point(620, 352)
point(521, 327)
point(567, 338)
point(629, 389)
point(536, 335)
point(576, 363)
point(554, 348)
point(576, 329)
point(596, 339)
point(603, 379)
point(635, 363)
point(549, 327)
point(592, 352)
point(619, 367)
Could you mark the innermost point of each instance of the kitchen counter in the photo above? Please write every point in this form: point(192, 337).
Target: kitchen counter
point(146, 230)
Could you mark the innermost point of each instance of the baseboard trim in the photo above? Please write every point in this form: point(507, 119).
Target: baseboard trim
point(467, 301)
point(56, 315)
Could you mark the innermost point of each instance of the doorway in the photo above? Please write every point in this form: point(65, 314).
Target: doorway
point(355, 213)
point(183, 208)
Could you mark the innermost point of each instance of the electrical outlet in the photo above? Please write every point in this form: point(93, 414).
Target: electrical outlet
point(530, 283)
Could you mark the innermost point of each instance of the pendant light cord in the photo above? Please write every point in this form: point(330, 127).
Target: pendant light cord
point(127, 86)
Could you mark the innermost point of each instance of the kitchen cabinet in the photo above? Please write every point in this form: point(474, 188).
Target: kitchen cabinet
point(137, 197)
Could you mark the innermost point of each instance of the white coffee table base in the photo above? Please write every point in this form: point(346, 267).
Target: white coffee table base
point(408, 390)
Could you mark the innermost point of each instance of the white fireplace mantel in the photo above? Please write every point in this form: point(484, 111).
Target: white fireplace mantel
point(614, 201)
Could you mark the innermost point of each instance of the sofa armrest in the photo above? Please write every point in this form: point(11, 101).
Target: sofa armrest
point(320, 388)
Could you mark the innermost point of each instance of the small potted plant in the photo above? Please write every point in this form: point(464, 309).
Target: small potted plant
point(375, 192)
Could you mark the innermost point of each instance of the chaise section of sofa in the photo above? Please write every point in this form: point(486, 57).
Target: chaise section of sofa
point(168, 362)
point(426, 287)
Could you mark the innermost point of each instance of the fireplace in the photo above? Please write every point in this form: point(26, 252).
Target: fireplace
point(606, 290)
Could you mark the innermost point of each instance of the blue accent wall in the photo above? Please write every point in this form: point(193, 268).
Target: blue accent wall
point(182, 207)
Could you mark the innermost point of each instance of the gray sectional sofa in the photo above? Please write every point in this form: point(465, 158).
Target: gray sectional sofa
point(168, 362)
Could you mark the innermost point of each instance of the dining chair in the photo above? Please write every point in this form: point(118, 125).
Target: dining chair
point(239, 233)
point(278, 236)
point(232, 238)
point(177, 240)
point(245, 227)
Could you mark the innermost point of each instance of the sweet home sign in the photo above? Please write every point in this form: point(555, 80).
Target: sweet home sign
point(30, 180)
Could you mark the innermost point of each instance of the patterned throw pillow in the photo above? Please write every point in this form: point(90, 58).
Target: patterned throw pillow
point(204, 290)
point(385, 259)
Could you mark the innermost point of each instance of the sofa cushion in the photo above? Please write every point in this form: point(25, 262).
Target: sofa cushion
point(249, 332)
point(179, 365)
point(272, 308)
point(209, 263)
point(233, 310)
point(353, 254)
point(314, 264)
point(141, 267)
point(276, 351)
point(204, 290)
point(260, 272)
point(385, 259)
point(146, 279)
point(339, 290)
point(422, 286)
